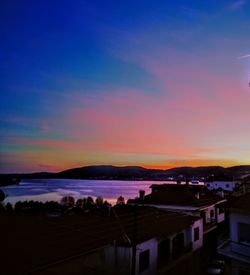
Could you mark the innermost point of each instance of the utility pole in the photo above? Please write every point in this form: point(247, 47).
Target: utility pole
point(134, 242)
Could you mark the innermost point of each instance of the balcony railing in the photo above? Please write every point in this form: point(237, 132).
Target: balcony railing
point(240, 248)
point(235, 250)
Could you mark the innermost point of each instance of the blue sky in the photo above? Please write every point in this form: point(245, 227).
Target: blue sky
point(152, 83)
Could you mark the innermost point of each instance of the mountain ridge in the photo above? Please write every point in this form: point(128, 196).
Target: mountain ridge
point(111, 172)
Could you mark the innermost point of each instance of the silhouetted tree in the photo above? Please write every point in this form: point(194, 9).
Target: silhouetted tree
point(2, 196)
point(84, 203)
point(107, 208)
point(68, 201)
point(9, 207)
point(99, 201)
point(90, 205)
point(79, 203)
point(18, 206)
point(90, 201)
point(120, 200)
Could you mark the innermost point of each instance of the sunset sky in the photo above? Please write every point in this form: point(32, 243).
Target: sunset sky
point(149, 83)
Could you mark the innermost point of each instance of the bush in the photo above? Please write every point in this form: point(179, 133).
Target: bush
point(2, 195)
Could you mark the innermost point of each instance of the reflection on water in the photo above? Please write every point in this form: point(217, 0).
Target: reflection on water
point(54, 189)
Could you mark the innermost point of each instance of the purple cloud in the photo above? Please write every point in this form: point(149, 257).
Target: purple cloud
point(237, 4)
point(244, 56)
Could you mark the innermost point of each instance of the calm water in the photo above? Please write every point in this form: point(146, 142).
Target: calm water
point(54, 189)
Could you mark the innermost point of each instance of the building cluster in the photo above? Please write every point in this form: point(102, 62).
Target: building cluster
point(176, 229)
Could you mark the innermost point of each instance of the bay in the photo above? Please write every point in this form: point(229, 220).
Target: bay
point(55, 189)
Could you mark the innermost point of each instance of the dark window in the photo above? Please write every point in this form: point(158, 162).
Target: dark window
point(178, 245)
point(196, 234)
point(144, 260)
point(221, 210)
point(203, 215)
point(243, 233)
point(163, 252)
point(208, 185)
point(227, 185)
point(211, 213)
point(237, 187)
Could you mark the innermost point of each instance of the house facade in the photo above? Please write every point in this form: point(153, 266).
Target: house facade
point(162, 254)
point(237, 248)
point(193, 201)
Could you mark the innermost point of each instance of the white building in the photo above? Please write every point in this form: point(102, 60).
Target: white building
point(186, 199)
point(163, 242)
point(229, 186)
point(237, 248)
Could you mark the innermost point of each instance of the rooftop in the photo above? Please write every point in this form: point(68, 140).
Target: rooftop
point(31, 242)
point(180, 195)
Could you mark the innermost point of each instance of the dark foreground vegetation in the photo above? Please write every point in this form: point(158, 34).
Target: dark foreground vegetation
point(67, 204)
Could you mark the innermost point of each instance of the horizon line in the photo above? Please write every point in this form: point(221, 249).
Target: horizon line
point(120, 166)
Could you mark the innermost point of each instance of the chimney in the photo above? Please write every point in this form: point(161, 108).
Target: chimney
point(141, 195)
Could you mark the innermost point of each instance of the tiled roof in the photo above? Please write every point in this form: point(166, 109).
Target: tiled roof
point(29, 242)
point(153, 222)
point(178, 195)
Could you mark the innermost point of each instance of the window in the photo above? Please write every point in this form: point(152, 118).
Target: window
point(144, 260)
point(203, 215)
point(163, 252)
point(196, 234)
point(208, 185)
point(211, 213)
point(221, 210)
point(243, 233)
point(237, 187)
point(227, 185)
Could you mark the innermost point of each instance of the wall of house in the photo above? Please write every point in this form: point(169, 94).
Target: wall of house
point(188, 236)
point(197, 244)
point(152, 245)
point(236, 218)
point(118, 259)
point(207, 212)
point(220, 216)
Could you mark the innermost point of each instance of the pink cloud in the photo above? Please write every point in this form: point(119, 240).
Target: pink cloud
point(244, 56)
point(198, 114)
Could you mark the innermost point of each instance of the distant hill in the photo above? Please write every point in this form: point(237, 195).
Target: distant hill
point(136, 173)
point(111, 172)
point(240, 169)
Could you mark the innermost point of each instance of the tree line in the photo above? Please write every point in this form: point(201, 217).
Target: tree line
point(67, 203)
